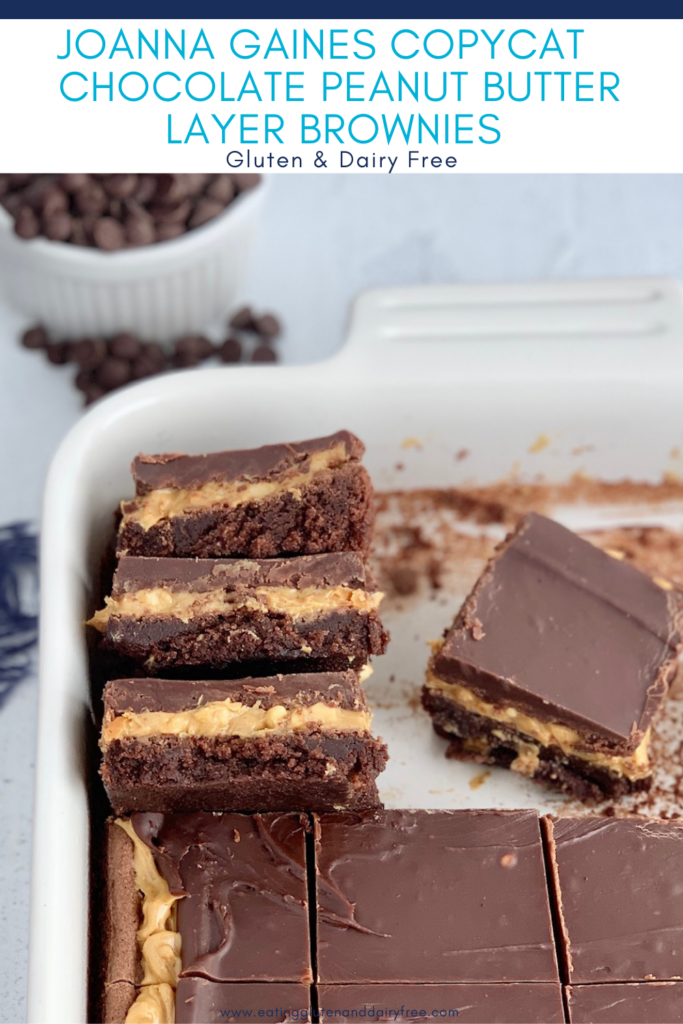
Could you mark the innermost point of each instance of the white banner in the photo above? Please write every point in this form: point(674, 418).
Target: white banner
point(326, 96)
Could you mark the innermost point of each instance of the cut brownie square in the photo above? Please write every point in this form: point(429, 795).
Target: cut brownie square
point(170, 612)
point(199, 1000)
point(477, 1004)
point(618, 890)
point(294, 742)
point(219, 897)
point(284, 499)
point(651, 1002)
point(556, 664)
point(432, 896)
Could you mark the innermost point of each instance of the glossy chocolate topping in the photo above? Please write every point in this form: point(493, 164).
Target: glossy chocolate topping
point(199, 1001)
point(243, 916)
point(621, 897)
point(649, 1003)
point(476, 1004)
point(153, 472)
point(201, 575)
point(562, 630)
point(432, 896)
point(340, 689)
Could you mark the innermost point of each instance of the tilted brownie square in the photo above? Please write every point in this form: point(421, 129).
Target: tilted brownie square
point(294, 742)
point(306, 498)
point(619, 886)
point(320, 610)
point(432, 896)
point(557, 663)
point(218, 897)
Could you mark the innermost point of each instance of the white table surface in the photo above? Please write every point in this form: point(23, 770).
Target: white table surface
point(322, 240)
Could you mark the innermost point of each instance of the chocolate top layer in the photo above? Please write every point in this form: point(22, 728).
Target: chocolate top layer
point(476, 1004)
point(187, 472)
point(243, 916)
point(201, 575)
point(565, 632)
point(649, 1003)
point(620, 892)
point(432, 896)
point(199, 1001)
point(341, 689)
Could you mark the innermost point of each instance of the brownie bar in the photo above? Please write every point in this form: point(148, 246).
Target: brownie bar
point(285, 499)
point(199, 1001)
point(220, 897)
point(651, 1002)
point(432, 896)
point(618, 892)
point(295, 742)
point(477, 1004)
point(179, 612)
point(556, 664)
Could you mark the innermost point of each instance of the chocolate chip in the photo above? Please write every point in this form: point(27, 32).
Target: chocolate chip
point(145, 367)
point(75, 182)
point(140, 227)
point(167, 232)
point(53, 199)
point(242, 320)
point(205, 210)
point(171, 213)
point(79, 236)
point(264, 354)
point(108, 234)
point(58, 353)
point(153, 351)
point(267, 326)
point(91, 198)
point(125, 346)
point(192, 184)
point(191, 349)
point(94, 392)
point(84, 380)
point(230, 351)
point(244, 182)
point(221, 189)
point(26, 224)
point(113, 373)
point(58, 226)
point(88, 353)
point(35, 338)
point(120, 186)
point(146, 187)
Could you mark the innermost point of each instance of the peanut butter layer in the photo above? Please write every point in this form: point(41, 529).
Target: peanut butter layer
point(633, 766)
point(166, 503)
point(158, 939)
point(299, 605)
point(232, 718)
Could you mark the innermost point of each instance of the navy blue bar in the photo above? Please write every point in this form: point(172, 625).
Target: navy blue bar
point(360, 10)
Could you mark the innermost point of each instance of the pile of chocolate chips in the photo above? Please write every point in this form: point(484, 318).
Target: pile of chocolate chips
point(107, 364)
point(116, 211)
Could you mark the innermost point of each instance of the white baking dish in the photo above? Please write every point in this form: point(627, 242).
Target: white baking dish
point(481, 368)
point(157, 291)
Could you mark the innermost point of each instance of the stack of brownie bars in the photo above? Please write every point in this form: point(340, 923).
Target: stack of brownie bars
point(244, 603)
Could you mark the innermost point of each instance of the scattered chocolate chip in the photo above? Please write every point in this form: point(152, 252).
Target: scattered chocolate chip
point(120, 186)
point(230, 351)
point(140, 227)
point(242, 320)
point(113, 373)
point(58, 352)
point(205, 210)
point(264, 354)
point(75, 182)
point(146, 187)
point(124, 346)
point(171, 213)
point(91, 199)
point(191, 349)
point(267, 326)
point(35, 338)
point(404, 580)
point(88, 353)
point(108, 234)
point(53, 199)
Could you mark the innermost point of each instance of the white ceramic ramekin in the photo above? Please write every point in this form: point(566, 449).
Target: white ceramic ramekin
point(157, 291)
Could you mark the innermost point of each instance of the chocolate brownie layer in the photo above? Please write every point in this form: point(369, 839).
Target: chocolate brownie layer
point(299, 742)
point(476, 738)
point(305, 498)
point(557, 662)
point(174, 612)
